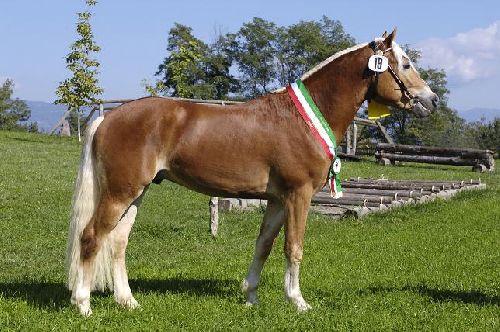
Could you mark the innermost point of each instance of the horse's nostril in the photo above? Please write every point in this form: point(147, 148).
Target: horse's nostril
point(435, 100)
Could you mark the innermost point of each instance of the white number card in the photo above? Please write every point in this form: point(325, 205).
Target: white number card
point(378, 63)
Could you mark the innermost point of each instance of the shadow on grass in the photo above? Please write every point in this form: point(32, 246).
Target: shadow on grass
point(440, 295)
point(47, 295)
point(198, 287)
point(55, 296)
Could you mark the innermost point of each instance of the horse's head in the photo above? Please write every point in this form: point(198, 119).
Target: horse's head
point(399, 84)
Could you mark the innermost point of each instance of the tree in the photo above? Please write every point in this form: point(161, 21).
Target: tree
point(82, 88)
point(486, 135)
point(193, 69)
point(14, 113)
point(253, 49)
point(305, 44)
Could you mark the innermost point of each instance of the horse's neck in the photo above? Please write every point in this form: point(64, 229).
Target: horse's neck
point(339, 89)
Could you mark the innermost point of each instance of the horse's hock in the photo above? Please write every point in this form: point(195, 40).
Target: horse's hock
point(480, 160)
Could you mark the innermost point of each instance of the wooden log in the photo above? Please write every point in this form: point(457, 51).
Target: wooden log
point(389, 193)
point(365, 122)
point(461, 182)
point(387, 186)
point(441, 184)
point(383, 161)
point(433, 150)
point(388, 138)
point(349, 157)
point(479, 168)
point(455, 161)
point(360, 197)
point(344, 201)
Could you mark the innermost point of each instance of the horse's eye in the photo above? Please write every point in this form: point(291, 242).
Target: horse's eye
point(406, 66)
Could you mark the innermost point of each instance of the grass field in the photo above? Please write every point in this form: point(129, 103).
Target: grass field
point(428, 267)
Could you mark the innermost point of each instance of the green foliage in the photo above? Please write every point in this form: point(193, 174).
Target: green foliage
point(192, 69)
point(254, 49)
point(14, 113)
point(267, 56)
point(82, 88)
point(487, 135)
point(432, 267)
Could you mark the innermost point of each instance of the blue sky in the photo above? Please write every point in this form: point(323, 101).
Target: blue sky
point(463, 37)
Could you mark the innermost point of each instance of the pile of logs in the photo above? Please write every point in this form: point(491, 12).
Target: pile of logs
point(364, 196)
point(361, 197)
point(480, 160)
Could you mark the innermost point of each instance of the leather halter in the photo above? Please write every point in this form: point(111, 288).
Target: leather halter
point(404, 90)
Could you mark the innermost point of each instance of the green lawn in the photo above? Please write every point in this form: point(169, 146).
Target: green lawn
point(427, 267)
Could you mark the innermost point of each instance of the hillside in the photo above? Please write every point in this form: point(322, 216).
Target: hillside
point(45, 114)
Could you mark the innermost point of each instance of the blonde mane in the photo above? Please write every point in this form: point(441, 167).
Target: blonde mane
point(325, 62)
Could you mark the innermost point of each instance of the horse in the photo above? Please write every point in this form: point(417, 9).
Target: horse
point(261, 149)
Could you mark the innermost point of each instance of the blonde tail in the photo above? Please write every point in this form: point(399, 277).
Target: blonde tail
point(85, 199)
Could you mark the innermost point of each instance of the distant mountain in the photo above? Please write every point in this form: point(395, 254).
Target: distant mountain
point(45, 114)
point(476, 114)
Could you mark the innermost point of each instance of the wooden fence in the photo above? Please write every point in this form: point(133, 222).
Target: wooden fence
point(480, 160)
point(349, 143)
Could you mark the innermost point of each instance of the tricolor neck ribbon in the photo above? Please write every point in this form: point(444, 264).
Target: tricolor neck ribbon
point(320, 130)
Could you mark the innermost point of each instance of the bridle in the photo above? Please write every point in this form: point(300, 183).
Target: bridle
point(402, 87)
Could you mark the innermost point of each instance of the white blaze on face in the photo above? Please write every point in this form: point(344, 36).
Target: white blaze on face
point(408, 72)
point(402, 58)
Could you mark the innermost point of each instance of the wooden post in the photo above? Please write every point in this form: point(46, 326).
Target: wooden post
point(214, 215)
point(354, 137)
point(78, 122)
point(348, 141)
point(384, 132)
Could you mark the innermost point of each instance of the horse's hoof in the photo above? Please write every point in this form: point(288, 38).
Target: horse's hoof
point(251, 294)
point(132, 304)
point(84, 309)
point(303, 306)
point(129, 303)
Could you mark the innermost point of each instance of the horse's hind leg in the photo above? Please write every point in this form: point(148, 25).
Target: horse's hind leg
point(109, 211)
point(271, 225)
point(119, 240)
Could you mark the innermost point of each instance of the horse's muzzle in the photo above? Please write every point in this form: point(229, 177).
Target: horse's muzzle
point(425, 104)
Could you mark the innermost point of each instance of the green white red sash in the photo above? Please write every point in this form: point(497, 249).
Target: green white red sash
point(320, 130)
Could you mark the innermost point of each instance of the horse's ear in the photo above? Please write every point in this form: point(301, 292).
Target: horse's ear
point(390, 38)
point(384, 35)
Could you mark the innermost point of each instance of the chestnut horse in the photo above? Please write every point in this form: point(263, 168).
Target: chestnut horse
point(259, 149)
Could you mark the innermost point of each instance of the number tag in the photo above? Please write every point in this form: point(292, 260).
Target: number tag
point(378, 63)
point(336, 166)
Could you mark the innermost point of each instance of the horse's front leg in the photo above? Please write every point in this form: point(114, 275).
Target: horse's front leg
point(271, 226)
point(297, 205)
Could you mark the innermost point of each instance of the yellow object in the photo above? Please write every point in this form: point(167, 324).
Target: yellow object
point(377, 110)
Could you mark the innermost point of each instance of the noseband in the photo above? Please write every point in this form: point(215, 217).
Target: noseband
point(402, 87)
